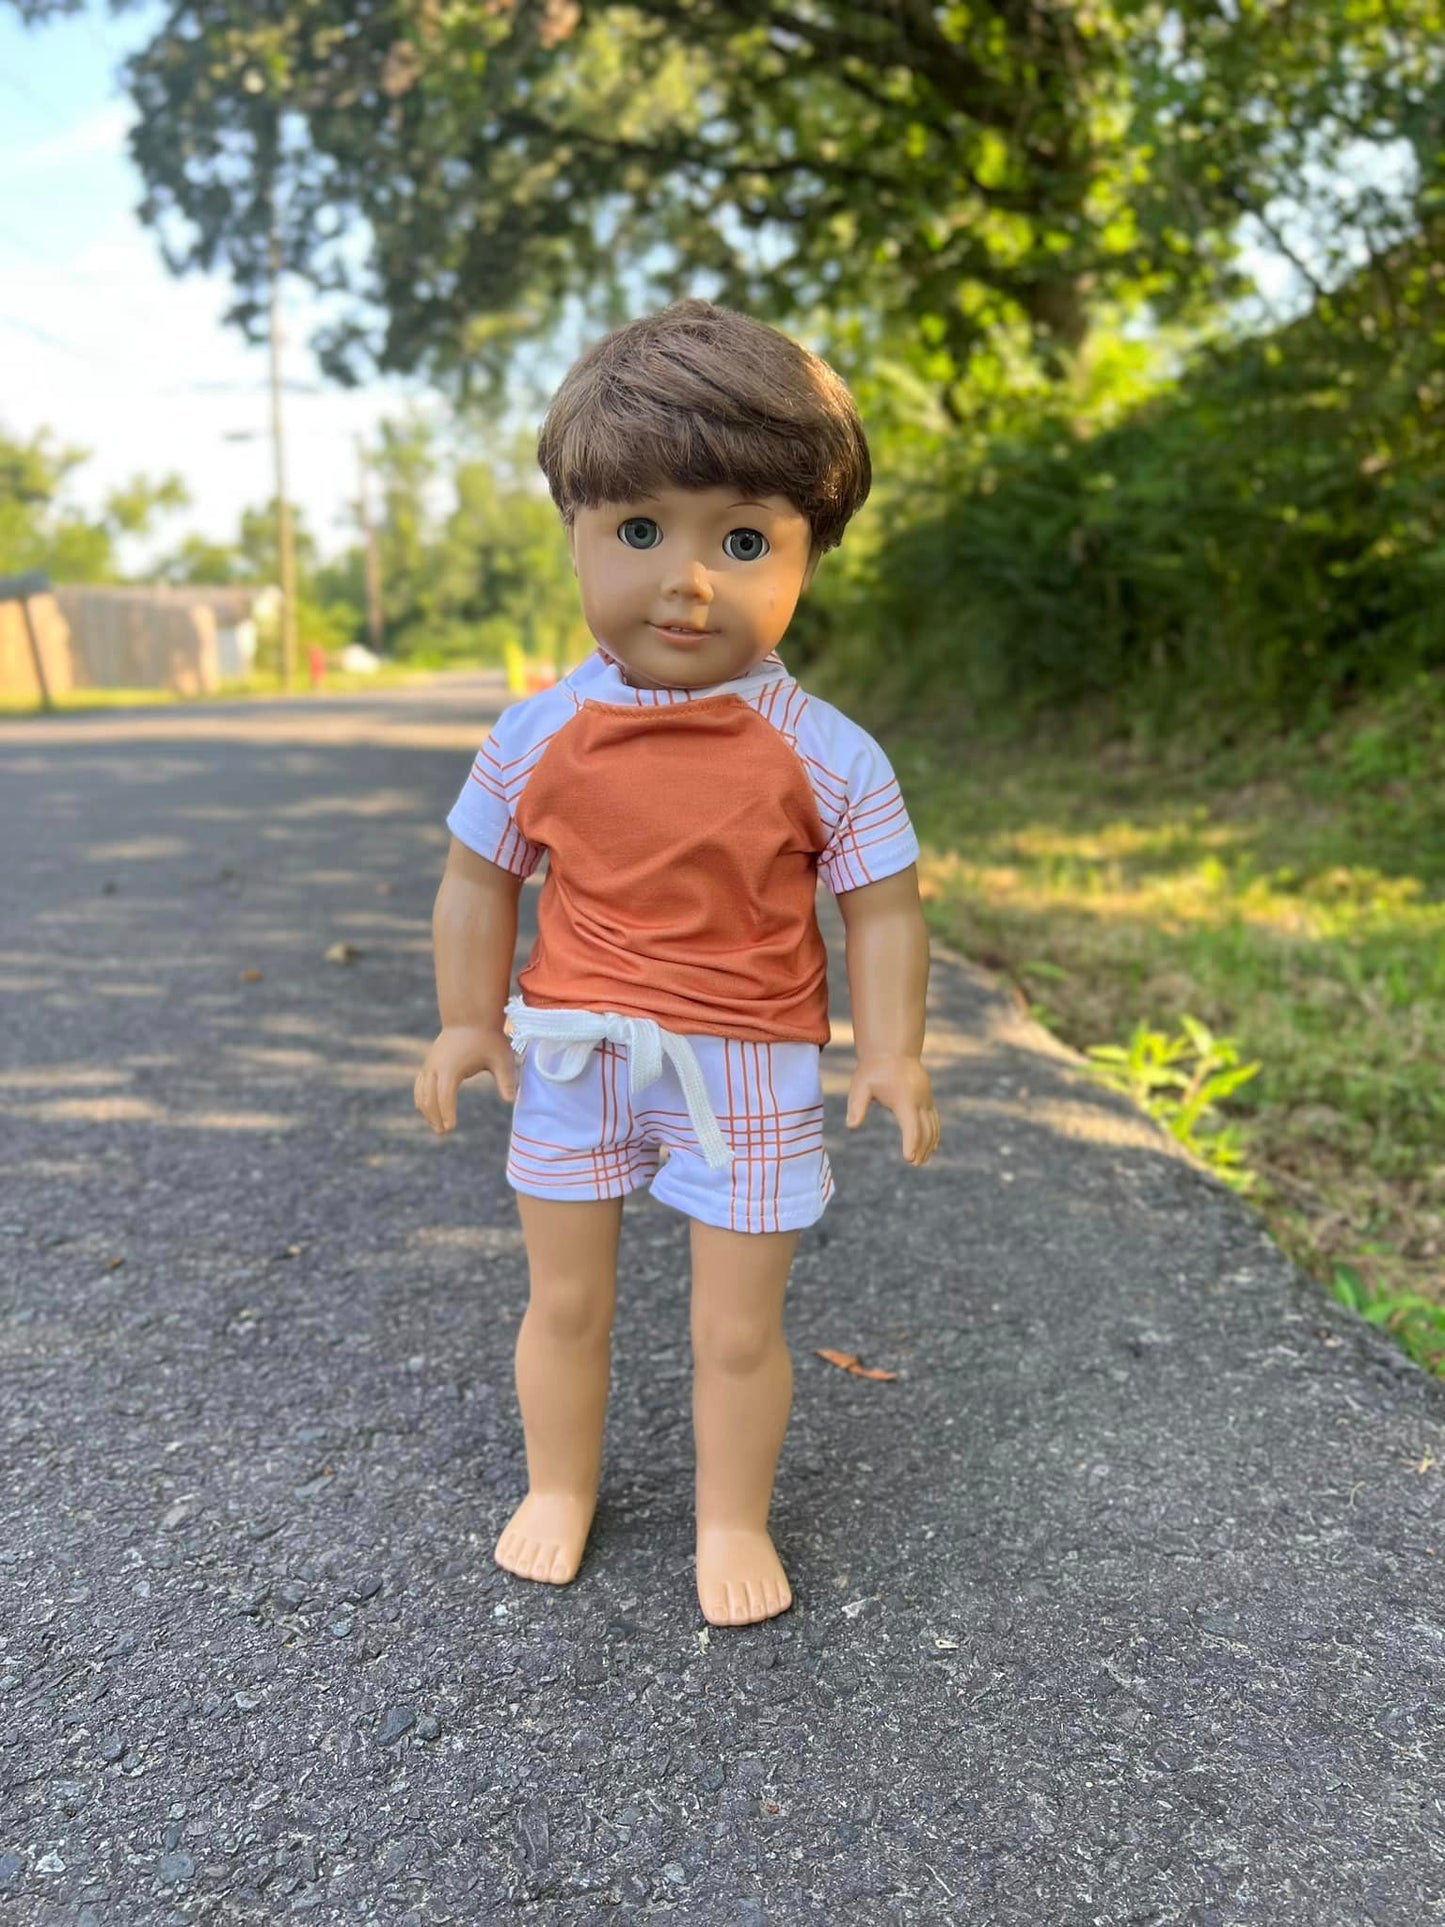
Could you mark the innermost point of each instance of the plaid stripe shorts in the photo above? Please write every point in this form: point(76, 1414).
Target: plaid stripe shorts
point(588, 1138)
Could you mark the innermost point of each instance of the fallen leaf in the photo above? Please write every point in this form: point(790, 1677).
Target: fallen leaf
point(250, 976)
point(849, 1363)
point(342, 953)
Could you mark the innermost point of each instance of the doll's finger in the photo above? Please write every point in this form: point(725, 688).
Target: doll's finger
point(858, 1102)
point(506, 1080)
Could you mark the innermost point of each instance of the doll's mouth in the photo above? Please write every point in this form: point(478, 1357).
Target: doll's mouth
point(682, 635)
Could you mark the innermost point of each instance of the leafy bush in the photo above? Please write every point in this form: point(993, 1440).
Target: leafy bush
point(1263, 536)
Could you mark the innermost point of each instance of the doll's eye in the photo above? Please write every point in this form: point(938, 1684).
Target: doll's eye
point(643, 525)
point(755, 544)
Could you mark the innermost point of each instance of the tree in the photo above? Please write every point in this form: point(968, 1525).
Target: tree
point(259, 543)
point(1323, 126)
point(198, 561)
point(959, 184)
point(500, 563)
point(40, 529)
point(407, 466)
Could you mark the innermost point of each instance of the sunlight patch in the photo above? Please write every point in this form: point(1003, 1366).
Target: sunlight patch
point(139, 849)
point(468, 1237)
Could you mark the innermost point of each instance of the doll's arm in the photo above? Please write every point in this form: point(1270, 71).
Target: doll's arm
point(474, 936)
point(887, 955)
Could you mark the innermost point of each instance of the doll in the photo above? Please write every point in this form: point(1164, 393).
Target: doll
point(687, 794)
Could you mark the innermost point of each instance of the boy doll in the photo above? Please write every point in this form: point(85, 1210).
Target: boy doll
point(686, 793)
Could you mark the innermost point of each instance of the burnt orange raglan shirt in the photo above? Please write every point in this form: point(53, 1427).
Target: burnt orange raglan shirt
point(684, 833)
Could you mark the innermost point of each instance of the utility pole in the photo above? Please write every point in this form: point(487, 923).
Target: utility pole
point(284, 541)
point(375, 627)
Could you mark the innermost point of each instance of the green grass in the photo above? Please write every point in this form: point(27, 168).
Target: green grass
point(391, 675)
point(1289, 895)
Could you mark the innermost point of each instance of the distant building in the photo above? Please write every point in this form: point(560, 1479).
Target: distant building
point(189, 639)
point(35, 664)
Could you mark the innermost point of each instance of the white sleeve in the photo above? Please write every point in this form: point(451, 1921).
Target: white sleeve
point(869, 834)
point(484, 816)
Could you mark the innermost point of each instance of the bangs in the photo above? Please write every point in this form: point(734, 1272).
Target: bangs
point(613, 461)
point(698, 397)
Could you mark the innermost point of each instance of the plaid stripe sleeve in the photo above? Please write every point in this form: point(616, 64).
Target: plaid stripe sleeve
point(869, 834)
point(484, 816)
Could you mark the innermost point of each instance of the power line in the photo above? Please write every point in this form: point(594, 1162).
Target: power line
point(24, 91)
point(111, 53)
point(244, 388)
point(307, 389)
point(50, 340)
point(104, 363)
point(29, 247)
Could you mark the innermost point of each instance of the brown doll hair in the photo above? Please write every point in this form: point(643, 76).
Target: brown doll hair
point(699, 396)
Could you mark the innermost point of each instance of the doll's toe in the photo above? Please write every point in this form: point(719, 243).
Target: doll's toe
point(740, 1577)
point(545, 1537)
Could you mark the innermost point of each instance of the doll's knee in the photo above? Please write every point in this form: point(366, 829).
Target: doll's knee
point(572, 1310)
point(734, 1344)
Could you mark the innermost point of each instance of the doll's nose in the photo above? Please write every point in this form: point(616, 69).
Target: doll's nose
point(689, 578)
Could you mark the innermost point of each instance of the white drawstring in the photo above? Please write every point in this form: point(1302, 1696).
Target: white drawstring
point(575, 1034)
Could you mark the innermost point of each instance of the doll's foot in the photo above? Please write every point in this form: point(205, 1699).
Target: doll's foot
point(740, 1577)
point(544, 1537)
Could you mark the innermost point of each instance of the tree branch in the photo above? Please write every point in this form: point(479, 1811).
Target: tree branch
point(970, 88)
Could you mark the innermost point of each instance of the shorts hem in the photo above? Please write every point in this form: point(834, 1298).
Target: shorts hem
point(612, 1188)
point(787, 1215)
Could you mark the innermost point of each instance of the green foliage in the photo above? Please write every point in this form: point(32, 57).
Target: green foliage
point(254, 556)
point(258, 545)
point(40, 529)
point(134, 508)
point(959, 185)
point(1149, 1071)
point(463, 583)
point(502, 564)
point(1263, 536)
point(198, 561)
point(1416, 1323)
point(460, 583)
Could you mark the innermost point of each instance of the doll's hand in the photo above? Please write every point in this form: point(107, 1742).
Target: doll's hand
point(460, 1052)
point(901, 1085)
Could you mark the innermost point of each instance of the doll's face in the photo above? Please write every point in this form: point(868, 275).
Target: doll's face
point(690, 587)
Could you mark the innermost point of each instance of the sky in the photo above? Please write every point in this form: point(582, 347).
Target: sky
point(103, 346)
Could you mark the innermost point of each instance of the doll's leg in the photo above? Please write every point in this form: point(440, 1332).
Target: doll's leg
point(742, 1394)
point(564, 1358)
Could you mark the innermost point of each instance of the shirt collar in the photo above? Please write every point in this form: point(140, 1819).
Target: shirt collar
point(605, 683)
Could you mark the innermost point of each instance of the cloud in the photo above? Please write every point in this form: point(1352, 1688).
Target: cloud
point(131, 258)
point(103, 133)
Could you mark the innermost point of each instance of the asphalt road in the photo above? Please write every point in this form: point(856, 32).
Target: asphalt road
point(1122, 1603)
